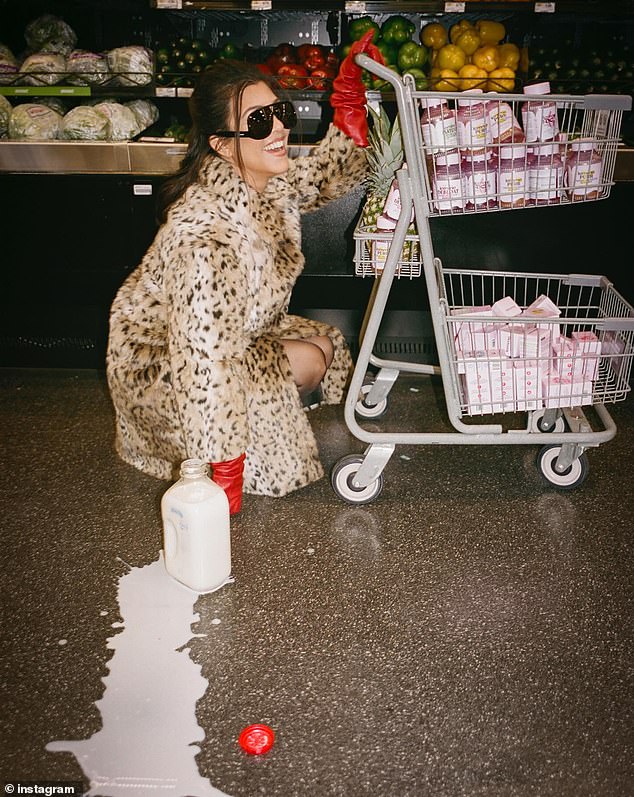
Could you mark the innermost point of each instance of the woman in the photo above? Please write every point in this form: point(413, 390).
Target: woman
point(203, 359)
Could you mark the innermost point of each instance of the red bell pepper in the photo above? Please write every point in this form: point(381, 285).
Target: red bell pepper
point(292, 76)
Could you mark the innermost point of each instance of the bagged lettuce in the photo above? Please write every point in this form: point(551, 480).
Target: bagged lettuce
point(132, 65)
point(146, 112)
point(56, 103)
point(85, 124)
point(5, 113)
point(34, 122)
point(8, 66)
point(87, 69)
point(43, 69)
point(50, 34)
point(123, 123)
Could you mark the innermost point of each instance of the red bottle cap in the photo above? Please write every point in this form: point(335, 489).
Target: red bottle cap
point(256, 739)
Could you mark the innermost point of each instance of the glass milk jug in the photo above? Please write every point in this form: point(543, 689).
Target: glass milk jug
point(196, 534)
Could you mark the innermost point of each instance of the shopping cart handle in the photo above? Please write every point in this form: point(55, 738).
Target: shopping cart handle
point(378, 69)
point(607, 102)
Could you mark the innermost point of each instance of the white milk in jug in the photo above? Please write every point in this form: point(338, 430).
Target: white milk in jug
point(196, 533)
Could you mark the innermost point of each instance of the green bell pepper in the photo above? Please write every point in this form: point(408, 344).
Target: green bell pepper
point(397, 30)
point(358, 27)
point(420, 79)
point(388, 51)
point(411, 56)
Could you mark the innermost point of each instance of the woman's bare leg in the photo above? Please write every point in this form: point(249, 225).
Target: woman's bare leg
point(309, 359)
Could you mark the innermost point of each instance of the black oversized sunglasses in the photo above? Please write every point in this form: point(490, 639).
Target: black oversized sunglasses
point(260, 121)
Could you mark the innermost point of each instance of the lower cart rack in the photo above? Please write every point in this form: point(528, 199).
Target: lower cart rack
point(545, 367)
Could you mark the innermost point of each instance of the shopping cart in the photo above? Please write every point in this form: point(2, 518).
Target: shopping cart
point(547, 345)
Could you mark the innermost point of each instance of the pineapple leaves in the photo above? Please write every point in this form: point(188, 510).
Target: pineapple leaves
point(385, 151)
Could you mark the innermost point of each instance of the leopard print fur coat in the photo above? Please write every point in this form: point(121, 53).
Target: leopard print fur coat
point(195, 365)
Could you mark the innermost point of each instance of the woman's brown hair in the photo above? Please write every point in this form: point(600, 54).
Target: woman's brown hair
point(214, 104)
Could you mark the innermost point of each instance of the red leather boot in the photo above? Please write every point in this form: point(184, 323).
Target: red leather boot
point(228, 475)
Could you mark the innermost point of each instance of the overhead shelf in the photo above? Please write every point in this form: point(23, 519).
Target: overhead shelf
point(602, 7)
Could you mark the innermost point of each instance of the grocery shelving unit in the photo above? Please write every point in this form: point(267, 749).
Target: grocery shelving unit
point(55, 309)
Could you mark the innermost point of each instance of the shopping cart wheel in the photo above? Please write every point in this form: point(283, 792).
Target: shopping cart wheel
point(341, 476)
point(365, 410)
point(570, 478)
point(538, 425)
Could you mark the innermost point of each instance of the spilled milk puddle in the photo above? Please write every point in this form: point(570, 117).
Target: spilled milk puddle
point(147, 742)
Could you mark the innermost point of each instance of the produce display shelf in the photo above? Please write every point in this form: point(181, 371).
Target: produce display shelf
point(99, 157)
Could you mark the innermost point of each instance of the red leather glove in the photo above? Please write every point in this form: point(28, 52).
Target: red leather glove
point(228, 475)
point(348, 92)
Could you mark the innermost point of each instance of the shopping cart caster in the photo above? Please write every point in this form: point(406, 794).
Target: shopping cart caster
point(365, 410)
point(342, 476)
point(574, 475)
point(539, 423)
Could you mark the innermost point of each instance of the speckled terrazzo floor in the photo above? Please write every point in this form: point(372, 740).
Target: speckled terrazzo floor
point(469, 633)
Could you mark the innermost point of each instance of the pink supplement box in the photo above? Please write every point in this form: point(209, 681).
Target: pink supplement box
point(563, 392)
point(571, 360)
point(464, 332)
point(542, 307)
point(528, 384)
point(506, 307)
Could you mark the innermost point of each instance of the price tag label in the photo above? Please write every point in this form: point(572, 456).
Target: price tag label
point(142, 189)
point(178, 4)
point(165, 91)
point(261, 5)
point(354, 8)
point(184, 92)
point(454, 8)
point(45, 91)
point(74, 91)
point(544, 8)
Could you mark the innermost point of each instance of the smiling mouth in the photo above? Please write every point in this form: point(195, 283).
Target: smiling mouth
point(276, 146)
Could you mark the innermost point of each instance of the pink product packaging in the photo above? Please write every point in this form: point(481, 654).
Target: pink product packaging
point(471, 122)
point(470, 339)
point(513, 176)
point(528, 384)
point(543, 307)
point(583, 171)
point(539, 117)
point(560, 391)
point(479, 181)
point(488, 382)
point(523, 340)
point(392, 207)
point(577, 358)
point(546, 175)
point(506, 307)
point(502, 123)
point(586, 342)
point(447, 188)
point(463, 331)
point(438, 124)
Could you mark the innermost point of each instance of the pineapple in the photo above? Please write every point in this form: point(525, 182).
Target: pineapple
point(385, 156)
